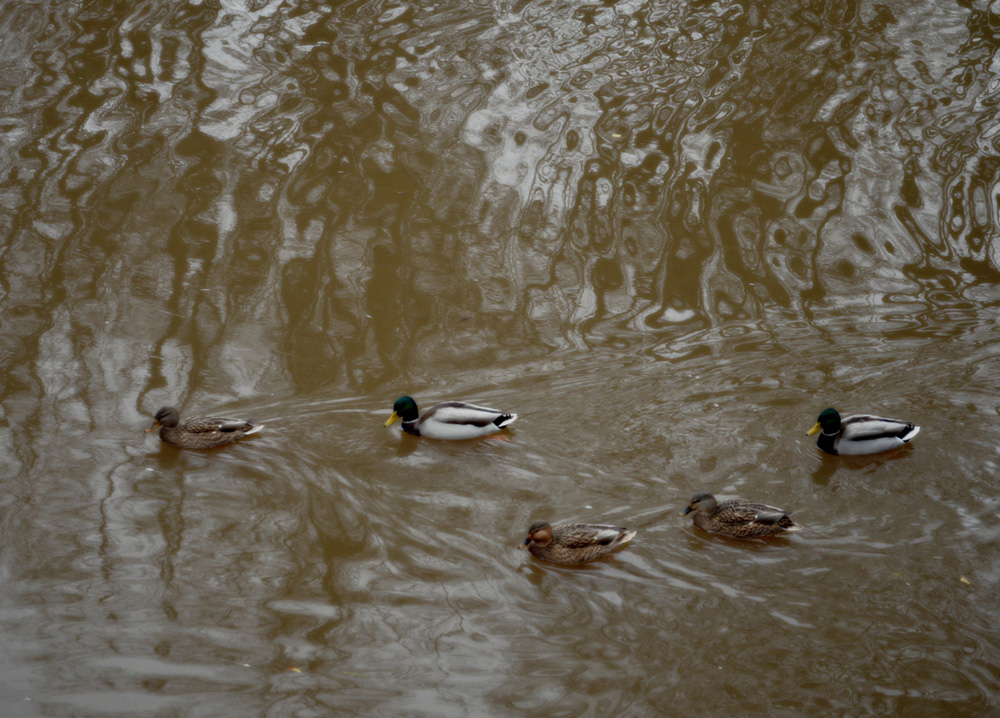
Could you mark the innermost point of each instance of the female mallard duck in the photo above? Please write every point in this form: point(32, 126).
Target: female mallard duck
point(860, 434)
point(202, 432)
point(574, 543)
point(738, 518)
point(449, 419)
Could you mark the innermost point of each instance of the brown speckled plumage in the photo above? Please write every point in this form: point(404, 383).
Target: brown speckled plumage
point(201, 432)
point(574, 543)
point(738, 518)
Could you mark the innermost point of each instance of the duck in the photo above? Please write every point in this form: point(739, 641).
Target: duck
point(860, 434)
point(738, 518)
point(449, 419)
point(574, 543)
point(201, 432)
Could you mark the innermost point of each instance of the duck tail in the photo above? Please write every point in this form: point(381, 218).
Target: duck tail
point(910, 431)
point(505, 420)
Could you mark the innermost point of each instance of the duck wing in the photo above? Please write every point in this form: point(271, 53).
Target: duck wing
point(214, 424)
point(747, 512)
point(769, 518)
point(459, 412)
point(584, 535)
point(864, 427)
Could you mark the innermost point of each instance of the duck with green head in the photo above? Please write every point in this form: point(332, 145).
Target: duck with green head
point(449, 419)
point(860, 434)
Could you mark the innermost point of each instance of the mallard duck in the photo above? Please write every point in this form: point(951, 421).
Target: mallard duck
point(738, 518)
point(860, 434)
point(574, 543)
point(202, 432)
point(449, 419)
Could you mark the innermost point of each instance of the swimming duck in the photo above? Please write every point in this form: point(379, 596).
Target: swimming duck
point(738, 518)
point(860, 434)
point(449, 419)
point(574, 543)
point(202, 432)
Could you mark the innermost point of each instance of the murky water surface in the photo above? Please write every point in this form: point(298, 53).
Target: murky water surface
point(667, 234)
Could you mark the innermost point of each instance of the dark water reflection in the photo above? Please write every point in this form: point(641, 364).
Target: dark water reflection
point(666, 234)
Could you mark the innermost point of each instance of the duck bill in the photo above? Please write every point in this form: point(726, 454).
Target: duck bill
point(524, 544)
point(392, 419)
point(686, 511)
point(815, 430)
point(152, 426)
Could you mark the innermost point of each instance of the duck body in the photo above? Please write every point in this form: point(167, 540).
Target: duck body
point(738, 518)
point(201, 432)
point(574, 543)
point(449, 420)
point(860, 434)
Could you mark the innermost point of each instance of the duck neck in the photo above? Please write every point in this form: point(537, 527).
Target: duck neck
point(826, 442)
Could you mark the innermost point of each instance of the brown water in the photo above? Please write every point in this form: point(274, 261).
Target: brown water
point(666, 234)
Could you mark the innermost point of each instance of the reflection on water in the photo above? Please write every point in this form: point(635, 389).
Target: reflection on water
point(666, 234)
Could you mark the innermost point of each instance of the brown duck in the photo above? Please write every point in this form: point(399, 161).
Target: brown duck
point(202, 432)
point(574, 543)
point(738, 518)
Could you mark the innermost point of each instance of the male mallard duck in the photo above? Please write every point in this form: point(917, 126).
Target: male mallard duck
point(574, 543)
point(860, 434)
point(738, 518)
point(449, 419)
point(202, 432)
